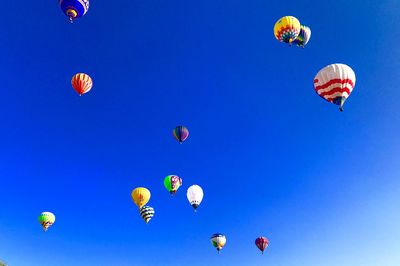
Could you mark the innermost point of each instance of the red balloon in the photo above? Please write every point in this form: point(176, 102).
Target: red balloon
point(262, 243)
point(82, 83)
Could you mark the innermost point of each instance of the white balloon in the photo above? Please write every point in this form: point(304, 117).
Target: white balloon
point(195, 195)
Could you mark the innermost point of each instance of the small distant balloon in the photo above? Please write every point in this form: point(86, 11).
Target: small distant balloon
point(195, 196)
point(74, 9)
point(82, 83)
point(218, 241)
point(262, 243)
point(140, 196)
point(46, 219)
point(287, 29)
point(147, 213)
point(304, 36)
point(181, 133)
point(335, 83)
point(172, 183)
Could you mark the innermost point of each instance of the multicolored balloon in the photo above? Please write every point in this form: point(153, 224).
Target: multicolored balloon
point(140, 196)
point(147, 213)
point(74, 9)
point(181, 133)
point(172, 183)
point(46, 219)
point(218, 241)
point(335, 83)
point(287, 29)
point(262, 243)
point(82, 83)
point(195, 196)
point(304, 36)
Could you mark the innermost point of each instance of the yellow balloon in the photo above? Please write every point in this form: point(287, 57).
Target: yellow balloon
point(287, 29)
point(140, 196)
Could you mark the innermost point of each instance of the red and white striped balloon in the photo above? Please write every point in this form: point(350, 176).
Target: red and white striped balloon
point(335, 83)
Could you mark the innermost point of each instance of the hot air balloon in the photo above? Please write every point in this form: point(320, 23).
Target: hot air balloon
point(147, 213)
point(195, 196)
point(181, 133)
point(172, 183)
point(140, 196)
point(46, 219)
point(82, 83)
point(74, 8)
point(218, 241)
point(287, 29)
point(262, 243)
point(334, 83)
point(304, 36)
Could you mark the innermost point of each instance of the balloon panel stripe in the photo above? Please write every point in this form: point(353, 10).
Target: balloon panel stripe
point(333, 81)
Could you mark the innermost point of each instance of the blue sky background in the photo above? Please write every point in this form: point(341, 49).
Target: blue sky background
point(273, 158)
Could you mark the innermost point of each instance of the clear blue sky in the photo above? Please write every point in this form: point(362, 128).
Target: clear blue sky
point(273, 158)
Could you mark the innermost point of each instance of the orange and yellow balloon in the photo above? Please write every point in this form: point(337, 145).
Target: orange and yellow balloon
point(287, 29)
point(82, 83)
point(140, 196)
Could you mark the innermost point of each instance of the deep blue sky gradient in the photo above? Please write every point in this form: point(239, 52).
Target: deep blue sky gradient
point(273, 158)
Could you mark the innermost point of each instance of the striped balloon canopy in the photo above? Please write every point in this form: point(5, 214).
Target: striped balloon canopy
point(147, 213)
point(304, 36)
point(74, 8)
point(181, 133)
point(218, 241)
point(335, 83)
point(287, 29)
point(262, 243)
point(82, 83)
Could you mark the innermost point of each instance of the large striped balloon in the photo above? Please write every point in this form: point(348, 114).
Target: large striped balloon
point(287, 29)
point(335, 83)
point(304, 36)
point(181, 133)
point(74, 8)
point(147, 213)
point(82, 83)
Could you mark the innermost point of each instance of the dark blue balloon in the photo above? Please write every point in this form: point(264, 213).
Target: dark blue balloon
point(74, 8)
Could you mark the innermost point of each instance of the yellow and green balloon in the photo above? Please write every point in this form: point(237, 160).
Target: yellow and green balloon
point(46, 219)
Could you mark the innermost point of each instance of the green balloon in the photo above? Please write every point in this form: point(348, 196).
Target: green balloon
point(172, 183)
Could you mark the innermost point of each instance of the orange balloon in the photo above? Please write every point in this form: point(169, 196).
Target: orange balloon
point(82, 83)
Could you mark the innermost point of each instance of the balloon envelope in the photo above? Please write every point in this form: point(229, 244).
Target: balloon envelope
point(74, 8)
point(172, 183)
point(181, 133)
point(218, 241)
point(195, 195)
point(304, 36)
point(140, 196)
point(147, 213)
point(262, 243)
point(287, 29)
point(46, 219)
point(82, 83)
point(335, 83)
